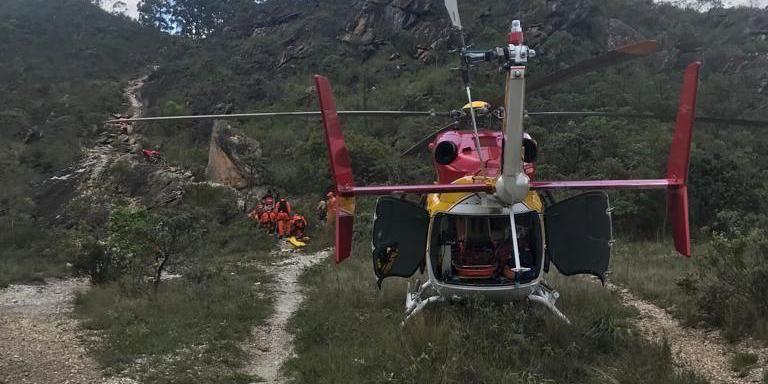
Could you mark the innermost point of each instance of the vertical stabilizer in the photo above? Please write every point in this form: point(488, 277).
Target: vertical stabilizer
point(341, 169)
point(679, 159)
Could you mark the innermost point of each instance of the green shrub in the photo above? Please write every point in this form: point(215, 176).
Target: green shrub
point(730, 285)
point(92, 258)
point(742, 362)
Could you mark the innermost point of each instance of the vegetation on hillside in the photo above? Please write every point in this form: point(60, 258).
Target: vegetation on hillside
point(176, 290)
point(257, 69)
point(62, 66)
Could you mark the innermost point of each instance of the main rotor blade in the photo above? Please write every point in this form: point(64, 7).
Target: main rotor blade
point(428, 138)
point(701, 119)
point(277, 114)
point(453, 11)
point(613, 57)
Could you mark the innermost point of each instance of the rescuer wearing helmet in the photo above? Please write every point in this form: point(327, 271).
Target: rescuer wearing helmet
point(255, 214)
point(298, 225)
point(268, 201)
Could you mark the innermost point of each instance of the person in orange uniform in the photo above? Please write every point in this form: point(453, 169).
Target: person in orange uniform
point(298, 225)
point(283, 211)
point(255, 214)
point(332, 206)
point(268, 201)
point(266, 220)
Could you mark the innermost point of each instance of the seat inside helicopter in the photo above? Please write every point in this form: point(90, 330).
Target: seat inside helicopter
point(478, 250)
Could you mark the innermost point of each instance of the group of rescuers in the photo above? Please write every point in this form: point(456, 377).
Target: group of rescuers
point(276, 216)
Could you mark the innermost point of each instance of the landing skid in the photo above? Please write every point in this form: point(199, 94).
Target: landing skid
point(414, 300)
point(547, 297)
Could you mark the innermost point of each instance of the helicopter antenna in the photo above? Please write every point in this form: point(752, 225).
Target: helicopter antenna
point(453, 11)
point(465, 75)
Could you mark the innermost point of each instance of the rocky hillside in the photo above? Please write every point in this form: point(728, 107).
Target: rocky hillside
point(396, 54)
point(63, 65)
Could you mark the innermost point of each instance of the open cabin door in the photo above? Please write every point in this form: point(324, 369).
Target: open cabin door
point(579, 234)
point(399, 238)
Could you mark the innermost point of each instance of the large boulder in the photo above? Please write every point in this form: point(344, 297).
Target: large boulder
point(234, 160)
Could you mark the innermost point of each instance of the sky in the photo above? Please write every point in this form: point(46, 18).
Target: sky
point(132, 4)
point(732, 3)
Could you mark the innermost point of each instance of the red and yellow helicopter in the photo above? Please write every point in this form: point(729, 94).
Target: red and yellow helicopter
point(483, 228)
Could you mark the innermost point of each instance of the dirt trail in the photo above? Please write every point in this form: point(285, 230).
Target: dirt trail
point(38, 337)
point(271, 344)
point(702, 351)
point(135, 106)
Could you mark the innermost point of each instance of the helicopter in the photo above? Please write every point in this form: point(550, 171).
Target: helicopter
point(484, 226)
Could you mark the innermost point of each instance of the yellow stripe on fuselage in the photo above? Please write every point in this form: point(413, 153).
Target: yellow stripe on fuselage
point(443, 202)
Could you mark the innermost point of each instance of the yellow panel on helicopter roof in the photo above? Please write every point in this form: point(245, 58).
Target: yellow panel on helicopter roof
point(443, 202)
point(477, 105)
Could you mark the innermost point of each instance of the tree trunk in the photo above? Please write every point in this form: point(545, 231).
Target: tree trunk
point(159, 270)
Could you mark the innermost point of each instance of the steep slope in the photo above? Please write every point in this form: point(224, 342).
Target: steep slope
point(62, 65)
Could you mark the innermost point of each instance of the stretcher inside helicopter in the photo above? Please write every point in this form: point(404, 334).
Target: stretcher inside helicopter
point(478, 250)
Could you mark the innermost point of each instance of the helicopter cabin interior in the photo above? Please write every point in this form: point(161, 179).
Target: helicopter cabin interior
point(478, 249)
point(574, 234)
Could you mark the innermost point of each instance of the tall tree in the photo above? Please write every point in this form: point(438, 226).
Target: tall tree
point(193, 18)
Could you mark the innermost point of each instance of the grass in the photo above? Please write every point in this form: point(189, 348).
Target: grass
point(191, 328)
point(743, 363)
point(22, 266)
point(652, 270)
point(722, 285)
point(29, 256)
point(348, 331)
point(187, 331)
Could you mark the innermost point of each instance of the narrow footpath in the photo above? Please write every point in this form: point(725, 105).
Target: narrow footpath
point(271, 344)
point(702, 351)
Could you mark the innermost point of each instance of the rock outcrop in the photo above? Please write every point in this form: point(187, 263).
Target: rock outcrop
point(233, 159)
point(379, 20)
point(429, 31)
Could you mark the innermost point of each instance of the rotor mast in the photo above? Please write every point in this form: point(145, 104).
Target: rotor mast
point(513, 184)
